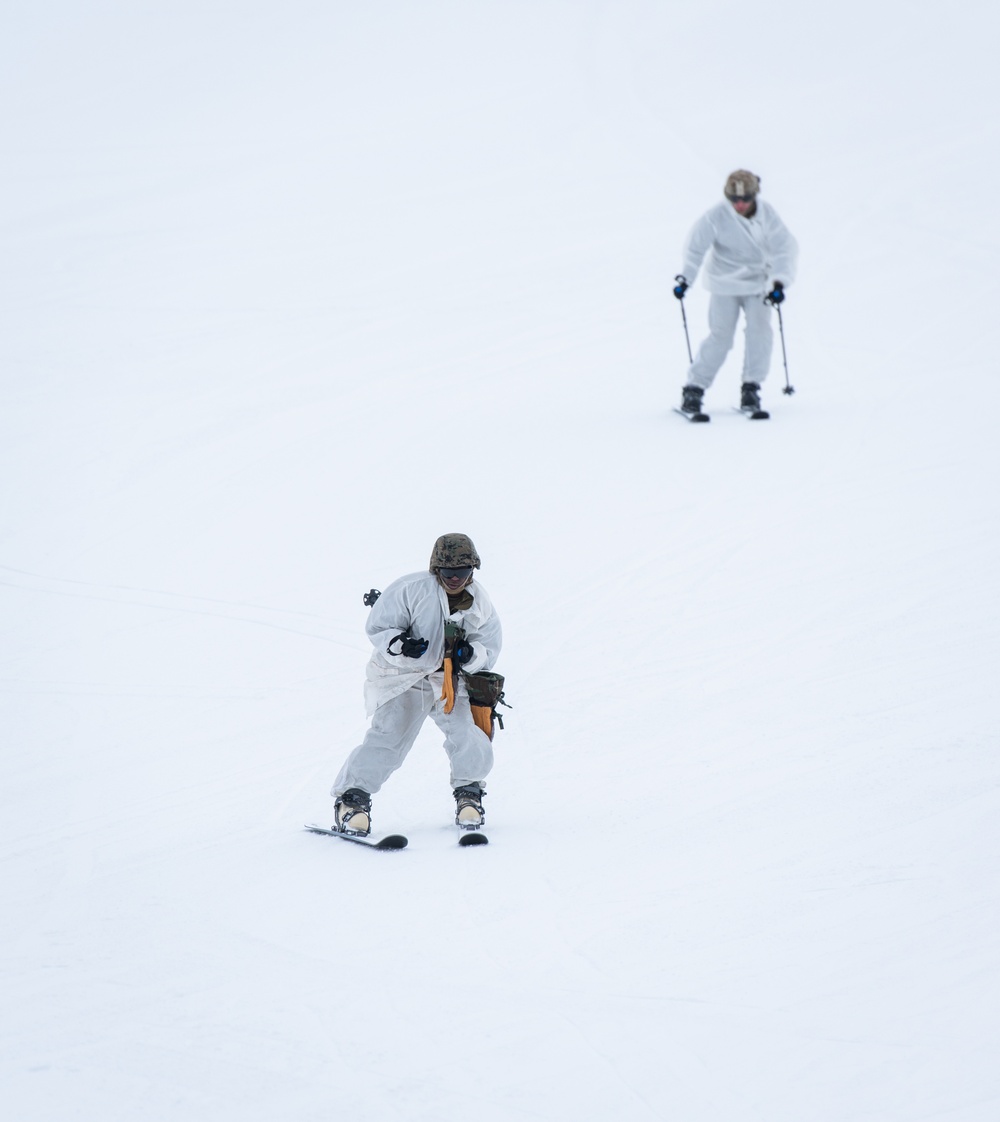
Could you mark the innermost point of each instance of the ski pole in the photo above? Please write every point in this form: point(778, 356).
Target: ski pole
point(789, 389)
point(687, 338)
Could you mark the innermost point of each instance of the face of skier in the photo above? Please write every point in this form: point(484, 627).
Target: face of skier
point(454, 580)
point(744, 205)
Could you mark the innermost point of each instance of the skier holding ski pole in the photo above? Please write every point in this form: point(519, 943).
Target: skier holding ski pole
point(751, 258)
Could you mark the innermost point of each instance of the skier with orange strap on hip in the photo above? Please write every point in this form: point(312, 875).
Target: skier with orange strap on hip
point(423, 628)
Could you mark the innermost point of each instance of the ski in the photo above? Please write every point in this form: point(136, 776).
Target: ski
point(466, 836)
point(694, 418)
point(753, 414)
point(386, 841)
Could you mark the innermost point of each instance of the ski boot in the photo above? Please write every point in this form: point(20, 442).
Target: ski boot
point(691, 400)
point(750, 397)
point(469, 813)
point(353, 813)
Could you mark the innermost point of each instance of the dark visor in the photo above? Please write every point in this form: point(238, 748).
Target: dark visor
point(451, 574)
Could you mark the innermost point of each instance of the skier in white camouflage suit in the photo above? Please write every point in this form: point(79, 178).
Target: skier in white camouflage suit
point(751, 259)
point(418, 621)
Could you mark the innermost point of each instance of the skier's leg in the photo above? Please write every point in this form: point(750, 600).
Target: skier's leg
point(759, 339)
point(723, 312)
point(469, 749)
point(390, 737)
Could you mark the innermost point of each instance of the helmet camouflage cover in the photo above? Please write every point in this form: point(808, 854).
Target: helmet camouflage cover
point(454, 551)
point(742, 184)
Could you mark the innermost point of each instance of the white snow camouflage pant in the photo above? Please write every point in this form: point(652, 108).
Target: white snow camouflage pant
point(723, 314)
point(394, 728)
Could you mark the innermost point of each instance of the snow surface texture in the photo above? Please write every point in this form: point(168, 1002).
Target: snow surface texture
point(287, 291)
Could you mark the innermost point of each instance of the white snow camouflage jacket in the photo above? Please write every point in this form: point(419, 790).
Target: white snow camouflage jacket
point(419, 604)
point(745, 255)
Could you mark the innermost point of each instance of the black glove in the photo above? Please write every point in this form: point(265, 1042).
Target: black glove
point(409, 646)
point(680, 288)
point(777, 293)
point(413, 647)
point(463, 652)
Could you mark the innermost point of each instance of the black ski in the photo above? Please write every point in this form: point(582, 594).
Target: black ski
point(753, 414)
point(697, 418)
point(387, 841)
point(472, 836)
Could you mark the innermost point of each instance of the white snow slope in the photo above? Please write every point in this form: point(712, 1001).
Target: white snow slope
point(287, 290)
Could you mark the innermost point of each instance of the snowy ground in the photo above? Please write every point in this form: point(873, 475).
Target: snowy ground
point(289, 290)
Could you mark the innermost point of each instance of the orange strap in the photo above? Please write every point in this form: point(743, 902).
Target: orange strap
point(448, 694)
point(483, 716)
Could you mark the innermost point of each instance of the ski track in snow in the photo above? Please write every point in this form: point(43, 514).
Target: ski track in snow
point(288, 297)
point(298, 623)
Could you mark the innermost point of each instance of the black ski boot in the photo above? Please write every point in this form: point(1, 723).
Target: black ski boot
point(353, 811)
point(750, 397)
point(691, 401)
point(469, 813)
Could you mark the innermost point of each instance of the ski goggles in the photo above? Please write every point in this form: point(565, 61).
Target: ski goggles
point(456, 574)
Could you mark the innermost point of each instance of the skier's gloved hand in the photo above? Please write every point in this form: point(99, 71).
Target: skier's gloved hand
point(777, 293)
point(463, 652)
point(414, 647)
point(680, 288)
point(409, 646)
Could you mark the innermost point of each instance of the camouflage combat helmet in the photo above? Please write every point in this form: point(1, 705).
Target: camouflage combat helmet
point(454, 551)
point(742, 184)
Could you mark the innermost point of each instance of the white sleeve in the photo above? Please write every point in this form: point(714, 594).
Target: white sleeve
point(486, 641)
point(784, 251)
point(389, 617)
point(698, 243)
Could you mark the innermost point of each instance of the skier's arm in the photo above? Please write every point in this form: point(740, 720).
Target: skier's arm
point(389, 618)
point(486, 642)
point(784, 252)
point(698, 243)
